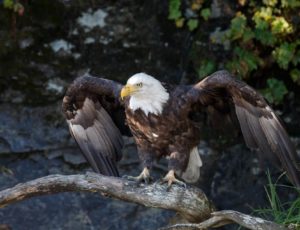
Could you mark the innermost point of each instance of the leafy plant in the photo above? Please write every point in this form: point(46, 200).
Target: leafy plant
point(205, 13)
point(284, 54)
point(9, 4)
point(192, 21)
point(295, 75)
point(244, 61)
point(237, 27)
point(174, 9)
point(275, 91)
point(192, 24)
point(16, 6)
point(207, 67)
point(262, 37)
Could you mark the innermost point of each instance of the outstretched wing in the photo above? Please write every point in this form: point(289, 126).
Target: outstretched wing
point(260, 126)
point(89, 106)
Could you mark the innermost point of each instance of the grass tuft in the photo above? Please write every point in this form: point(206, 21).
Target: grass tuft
point(285, 213)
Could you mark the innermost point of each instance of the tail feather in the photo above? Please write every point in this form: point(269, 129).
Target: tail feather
point(192, 172)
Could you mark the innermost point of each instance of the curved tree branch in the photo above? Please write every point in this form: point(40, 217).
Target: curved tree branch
point(191, 203)
point(225, 217)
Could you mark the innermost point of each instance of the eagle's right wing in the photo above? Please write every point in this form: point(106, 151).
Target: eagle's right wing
point(89, 106)
point(261, 127)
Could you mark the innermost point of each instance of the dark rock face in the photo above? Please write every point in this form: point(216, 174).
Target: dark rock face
point(54, 42)
point(25, 129)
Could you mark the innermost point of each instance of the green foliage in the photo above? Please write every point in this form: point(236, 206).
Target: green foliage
point(14, 5)
point(280, 26)
point(174, 9)
point(262, 38)
point(251, 59)
point(237, 27)
point(205, 13)
point(207, 67)
point(243, 61)
point(284, 54)
point(279, 212)
point(192, 24)
point(295, 75)
point(9, 4)
point(265, 37)
point(270, 2)
point(275, 91)
point(290, 3)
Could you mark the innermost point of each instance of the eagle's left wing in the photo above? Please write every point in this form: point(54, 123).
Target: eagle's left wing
point(90, 105)
point(260, 126)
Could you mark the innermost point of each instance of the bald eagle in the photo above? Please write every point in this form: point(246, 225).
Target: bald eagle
point(159, 118)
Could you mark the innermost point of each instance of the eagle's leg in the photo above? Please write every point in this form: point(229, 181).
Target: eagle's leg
point(176, 162)
point(144, 176)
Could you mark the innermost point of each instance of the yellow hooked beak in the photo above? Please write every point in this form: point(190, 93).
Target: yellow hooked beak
point(128, 90)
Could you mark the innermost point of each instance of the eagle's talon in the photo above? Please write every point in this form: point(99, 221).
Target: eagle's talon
point(171, 179)
point(131, 178)
point(181, 184)
point(143, 177)
point(148, 180)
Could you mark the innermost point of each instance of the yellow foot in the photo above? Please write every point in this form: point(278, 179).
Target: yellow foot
point(170, 179)
point(143, 177)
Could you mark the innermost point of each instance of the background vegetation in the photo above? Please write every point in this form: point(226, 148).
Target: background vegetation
point(286, 213)
point(259, 41)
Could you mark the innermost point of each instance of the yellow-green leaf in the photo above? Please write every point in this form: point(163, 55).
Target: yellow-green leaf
point(280, 26)
point(9, 4)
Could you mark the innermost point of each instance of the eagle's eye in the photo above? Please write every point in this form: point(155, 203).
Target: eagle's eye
point(139, 84)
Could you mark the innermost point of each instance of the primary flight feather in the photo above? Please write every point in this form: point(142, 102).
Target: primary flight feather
point(159, 118)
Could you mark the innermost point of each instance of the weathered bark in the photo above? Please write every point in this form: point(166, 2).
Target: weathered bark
point(225, 217)
point(191, 203)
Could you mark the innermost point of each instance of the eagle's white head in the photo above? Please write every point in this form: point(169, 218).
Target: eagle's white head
point(146, 93)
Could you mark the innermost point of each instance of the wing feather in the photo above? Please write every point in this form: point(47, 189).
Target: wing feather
point(246, 128)
point(91, 124)
point(260, 126)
